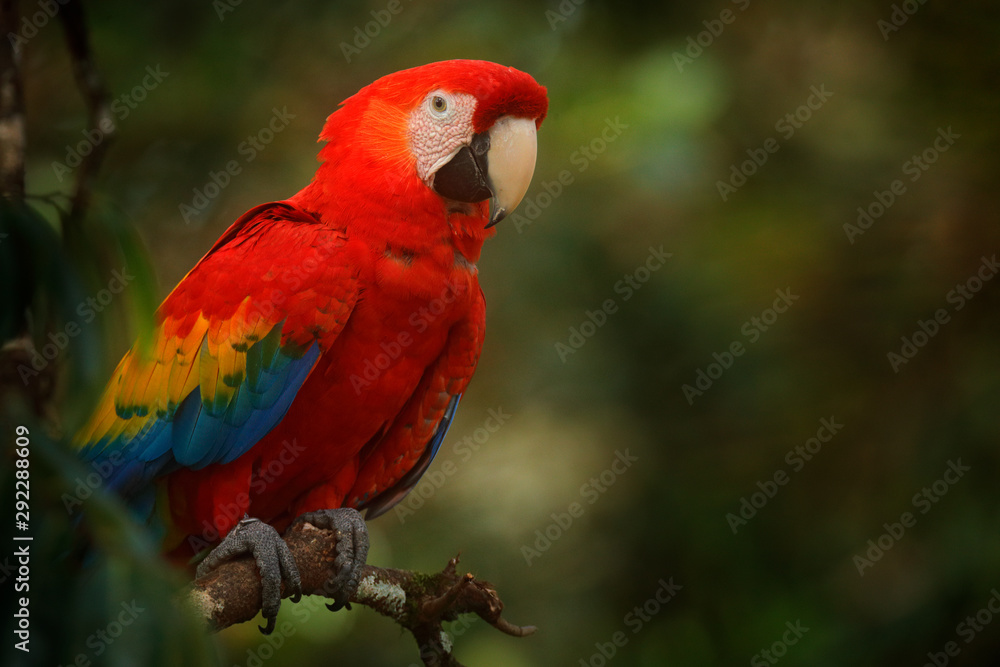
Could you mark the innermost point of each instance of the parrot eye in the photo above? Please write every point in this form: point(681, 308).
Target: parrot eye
point(438, 105)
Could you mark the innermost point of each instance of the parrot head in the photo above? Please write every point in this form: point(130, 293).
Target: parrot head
point(450, 137)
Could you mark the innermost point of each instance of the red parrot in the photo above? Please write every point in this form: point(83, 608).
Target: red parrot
point(310, 364)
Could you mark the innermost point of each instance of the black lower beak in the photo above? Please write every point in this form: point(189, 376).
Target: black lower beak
point(465, 177)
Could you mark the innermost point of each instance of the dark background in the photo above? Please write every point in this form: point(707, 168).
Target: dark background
point(682, 126)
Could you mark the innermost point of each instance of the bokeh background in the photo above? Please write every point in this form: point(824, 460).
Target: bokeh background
point(652, 106)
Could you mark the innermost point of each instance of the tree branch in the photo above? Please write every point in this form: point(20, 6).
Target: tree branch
point(95, 96)
point(418, 602)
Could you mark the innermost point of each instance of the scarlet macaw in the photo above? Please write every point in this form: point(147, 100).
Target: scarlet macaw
point(311, 362)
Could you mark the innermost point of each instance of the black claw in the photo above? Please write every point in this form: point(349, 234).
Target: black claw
point(274, 563)
point(351, 551)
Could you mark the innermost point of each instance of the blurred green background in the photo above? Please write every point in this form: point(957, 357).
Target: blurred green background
point(652, 105)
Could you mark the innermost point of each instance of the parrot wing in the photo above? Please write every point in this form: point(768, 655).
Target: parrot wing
point(234, 342)
point(393, 464)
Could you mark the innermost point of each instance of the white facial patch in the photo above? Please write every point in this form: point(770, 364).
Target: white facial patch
point(439, 127)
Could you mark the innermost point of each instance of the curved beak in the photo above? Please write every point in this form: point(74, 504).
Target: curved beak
point(513, 146)
point(497, 165)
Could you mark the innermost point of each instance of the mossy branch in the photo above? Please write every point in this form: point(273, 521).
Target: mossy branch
point(418, 602)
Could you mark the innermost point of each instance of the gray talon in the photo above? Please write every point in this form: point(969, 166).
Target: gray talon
point(352, 551)
point(274, 562)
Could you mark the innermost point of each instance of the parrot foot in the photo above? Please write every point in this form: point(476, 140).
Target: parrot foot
point(352, 550)
point(274, 562)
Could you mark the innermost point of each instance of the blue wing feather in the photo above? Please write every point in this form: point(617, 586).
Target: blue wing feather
point(194, 436)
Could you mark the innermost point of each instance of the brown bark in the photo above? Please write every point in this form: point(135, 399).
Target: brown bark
point(418, 602)
point(95, 94)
